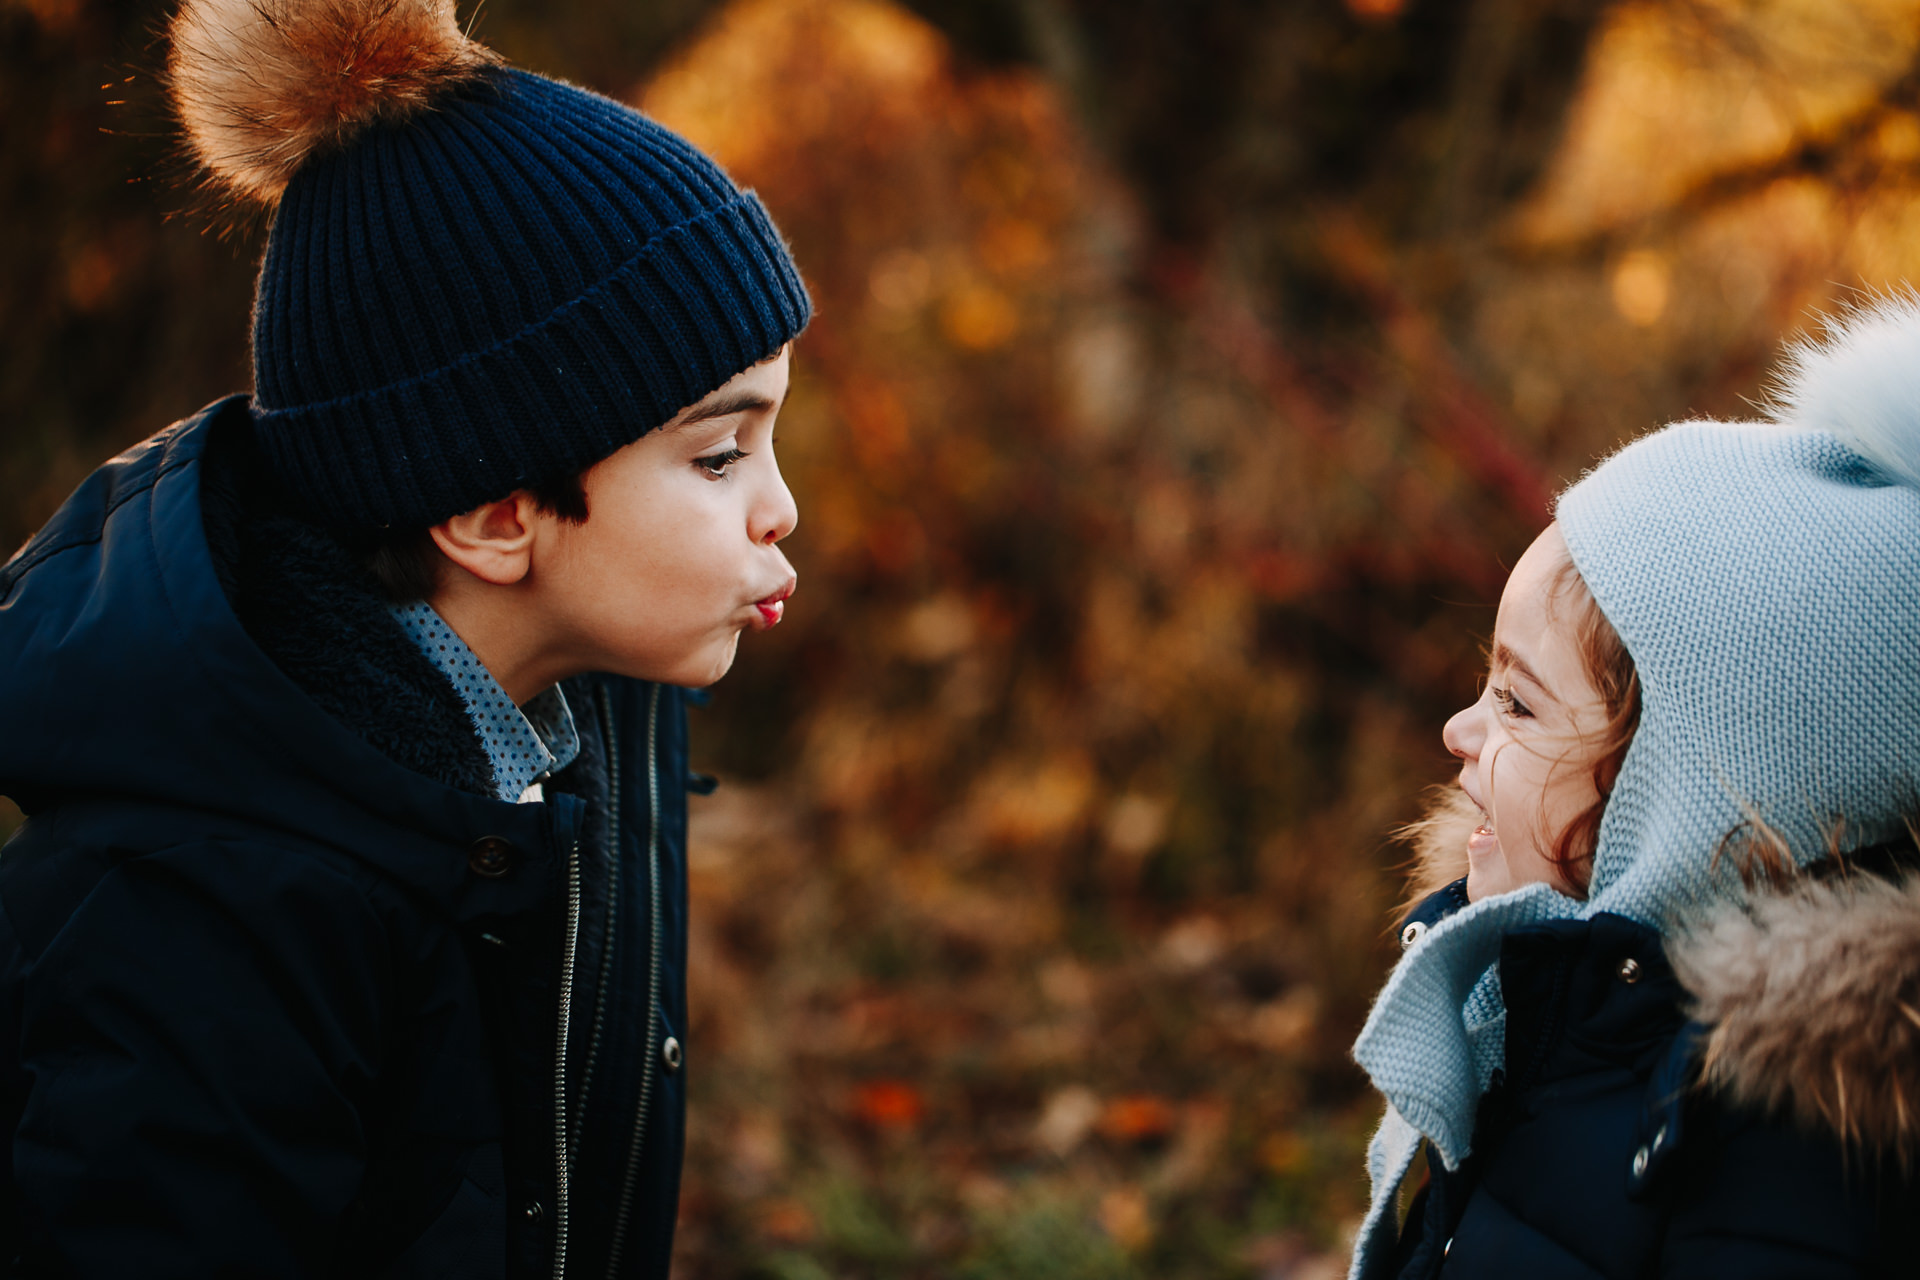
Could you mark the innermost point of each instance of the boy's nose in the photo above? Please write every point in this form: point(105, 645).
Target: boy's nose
point(775, 515)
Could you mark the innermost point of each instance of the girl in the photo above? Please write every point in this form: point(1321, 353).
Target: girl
point(1667, 1022)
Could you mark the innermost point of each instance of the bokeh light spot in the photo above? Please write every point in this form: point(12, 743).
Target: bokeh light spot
point(979, 318)
point(1642, 286)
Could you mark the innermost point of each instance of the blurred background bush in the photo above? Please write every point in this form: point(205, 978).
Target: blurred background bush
point(1186, 372)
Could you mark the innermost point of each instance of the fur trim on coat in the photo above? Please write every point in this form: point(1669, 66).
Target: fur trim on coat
point(1810, 991)
point(1439, 843)
point(1812, 994)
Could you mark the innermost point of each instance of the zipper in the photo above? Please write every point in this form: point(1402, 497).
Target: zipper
point(613, 912)
point(562, 1158)
point(653, 987)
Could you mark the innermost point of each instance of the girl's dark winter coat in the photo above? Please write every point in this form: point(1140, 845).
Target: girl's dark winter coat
point(1601, 1152)
point(283, 991)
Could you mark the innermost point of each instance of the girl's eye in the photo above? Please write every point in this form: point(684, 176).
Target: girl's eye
point(716, 464)
point(1509, 705)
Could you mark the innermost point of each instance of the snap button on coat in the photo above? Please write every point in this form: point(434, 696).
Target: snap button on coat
point(1629, 971)
point(490, 856)
point(1412, 934)
point(670, 1054)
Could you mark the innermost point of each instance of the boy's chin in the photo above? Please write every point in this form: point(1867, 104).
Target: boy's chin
point(696, 669)
point(699, 670)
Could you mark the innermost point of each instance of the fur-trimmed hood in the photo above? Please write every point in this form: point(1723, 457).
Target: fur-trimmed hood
point(1809, 991)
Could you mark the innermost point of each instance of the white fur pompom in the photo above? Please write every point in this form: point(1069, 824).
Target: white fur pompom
point(1862, 383)
point(260, 85)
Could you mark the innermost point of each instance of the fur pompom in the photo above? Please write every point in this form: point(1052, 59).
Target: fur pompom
point(1813, 999)
point(1862, 383)
point(260, 85)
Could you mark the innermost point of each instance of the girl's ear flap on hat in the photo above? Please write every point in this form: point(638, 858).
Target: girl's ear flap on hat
point(261, 85)
point(1862, 384)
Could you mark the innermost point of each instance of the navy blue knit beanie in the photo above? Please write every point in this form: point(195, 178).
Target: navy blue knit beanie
point(477, 279)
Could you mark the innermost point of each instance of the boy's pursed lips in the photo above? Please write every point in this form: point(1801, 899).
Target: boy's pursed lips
point(770, 607)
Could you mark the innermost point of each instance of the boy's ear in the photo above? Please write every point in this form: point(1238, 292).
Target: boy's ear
point(493, 542)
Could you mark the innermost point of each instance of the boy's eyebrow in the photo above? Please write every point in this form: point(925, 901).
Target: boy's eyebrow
point(725, 407)
point(1506, 657)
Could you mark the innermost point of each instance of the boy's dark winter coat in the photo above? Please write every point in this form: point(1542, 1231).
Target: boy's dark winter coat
point(280, 983)
point(1598, 1155)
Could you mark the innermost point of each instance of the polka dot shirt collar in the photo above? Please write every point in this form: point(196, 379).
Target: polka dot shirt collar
point(524, 743)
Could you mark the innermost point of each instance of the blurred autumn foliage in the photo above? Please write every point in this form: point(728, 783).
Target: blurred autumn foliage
point(1183, 378)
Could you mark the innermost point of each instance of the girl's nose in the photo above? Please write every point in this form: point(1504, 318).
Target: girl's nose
point(1463, 733)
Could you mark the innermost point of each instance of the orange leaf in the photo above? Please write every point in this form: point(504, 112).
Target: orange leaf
point(1138, 1117)
point(888, 1104)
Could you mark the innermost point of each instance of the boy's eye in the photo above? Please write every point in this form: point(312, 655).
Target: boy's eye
point(1509, 705)
point(716, 464)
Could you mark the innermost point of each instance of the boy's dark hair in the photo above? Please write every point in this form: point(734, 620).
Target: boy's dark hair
point(406, 564)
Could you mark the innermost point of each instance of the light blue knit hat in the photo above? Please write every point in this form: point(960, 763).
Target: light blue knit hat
point(1765, 578)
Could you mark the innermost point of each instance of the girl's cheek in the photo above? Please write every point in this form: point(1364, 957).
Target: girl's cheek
point(1518, 797)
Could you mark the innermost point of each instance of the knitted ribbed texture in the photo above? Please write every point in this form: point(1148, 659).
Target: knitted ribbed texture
point(500, 292)
point(1765, 578)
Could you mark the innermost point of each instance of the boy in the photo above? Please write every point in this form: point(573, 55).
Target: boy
point(345, 934)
